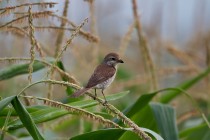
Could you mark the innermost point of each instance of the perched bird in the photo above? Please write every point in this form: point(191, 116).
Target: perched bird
point(102, 76)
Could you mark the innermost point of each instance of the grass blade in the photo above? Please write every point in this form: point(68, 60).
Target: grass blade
point(90, 103)
point(141, 113)
point(167, 97)
point(69, 90)
point(18, 69)
point(26, 119)
point(111, 134)
point(40, 116)
point(199, 132)
point(5, 102)
point(5, 125)
point(139, 104)
point(104, 134)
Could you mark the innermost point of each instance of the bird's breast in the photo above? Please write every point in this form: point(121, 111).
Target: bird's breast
point(106, 83)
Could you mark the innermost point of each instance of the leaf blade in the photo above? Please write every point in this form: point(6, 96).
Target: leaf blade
point(90, 103)
point(49, 113)
point(166, 120)
point(5, 102)
point(26, 119)
point(185, 85)
point(19, 69)
point(103, 134)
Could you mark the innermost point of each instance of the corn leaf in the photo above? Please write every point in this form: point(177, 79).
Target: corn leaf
point(167, 97)
point(141, 113)
point(26, 119)
point(111, 134)
point(69, 90)
point(18, 69)
point(5, 102)
point(166, 120)
point(104, 134)
point(45, 113)
point(199, 132)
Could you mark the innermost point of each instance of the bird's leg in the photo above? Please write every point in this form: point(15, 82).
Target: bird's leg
point(102, 91)
point(95, 95)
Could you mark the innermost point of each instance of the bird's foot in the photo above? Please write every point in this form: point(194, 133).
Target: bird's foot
point(94, 97)
point(105, 103)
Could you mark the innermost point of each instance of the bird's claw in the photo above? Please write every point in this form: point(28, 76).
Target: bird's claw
point(94, 97)
point(105, 103)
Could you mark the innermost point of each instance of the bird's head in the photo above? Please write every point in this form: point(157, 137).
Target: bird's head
point(112, 59)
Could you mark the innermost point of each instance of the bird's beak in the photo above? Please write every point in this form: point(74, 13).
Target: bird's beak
point(120, 61)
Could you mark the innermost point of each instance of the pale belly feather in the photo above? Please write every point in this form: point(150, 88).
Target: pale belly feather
point(106, 83)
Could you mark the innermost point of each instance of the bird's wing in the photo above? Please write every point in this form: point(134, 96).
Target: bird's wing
point(101, 74)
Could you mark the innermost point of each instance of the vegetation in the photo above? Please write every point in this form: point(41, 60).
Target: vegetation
point(42, 64)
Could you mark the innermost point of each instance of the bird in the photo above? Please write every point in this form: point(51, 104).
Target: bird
point(103, 75)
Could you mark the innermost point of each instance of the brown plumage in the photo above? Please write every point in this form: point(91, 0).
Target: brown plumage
point(102, 76)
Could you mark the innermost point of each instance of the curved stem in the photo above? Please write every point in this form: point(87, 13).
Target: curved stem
point(191, 99)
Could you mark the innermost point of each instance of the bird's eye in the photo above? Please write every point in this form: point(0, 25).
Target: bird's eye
point(113, 58)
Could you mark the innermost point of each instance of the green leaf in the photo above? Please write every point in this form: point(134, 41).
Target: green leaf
point(111, 134)
point(104, 134)
point(18, 69)
point(140, 109)
point(69, 90)
point(48, 113)
point(80, 104)
point(90, 103)
point(143, 118)
point(128, 135)
point(167, 97)
point(166, 120)
point(157, 136)
point(40, 116)
point(104, 114)
point(199, 132)
point(132, 136)
point(141, 113)
point(26, 119)
point(30, 109)
point(2, 121)
point(139, 104)
point(5, 102)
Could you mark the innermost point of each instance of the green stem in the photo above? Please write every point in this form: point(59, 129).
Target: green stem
point(191, 99)
point(4, 129)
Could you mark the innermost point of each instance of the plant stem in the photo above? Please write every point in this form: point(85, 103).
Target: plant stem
point(149, 65)
point(5, 124)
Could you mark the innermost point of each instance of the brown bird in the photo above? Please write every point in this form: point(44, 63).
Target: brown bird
point(102, 76)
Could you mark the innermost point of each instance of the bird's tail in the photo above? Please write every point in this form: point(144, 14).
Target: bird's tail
point(79, 92)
